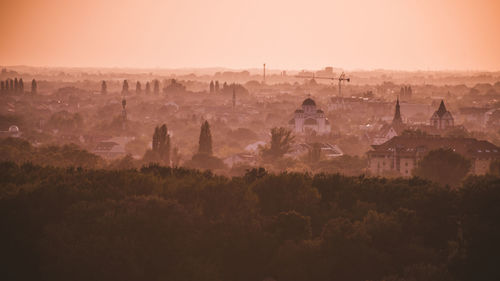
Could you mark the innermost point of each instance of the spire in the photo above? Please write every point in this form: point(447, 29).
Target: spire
point(397, 115)
point(442, 109)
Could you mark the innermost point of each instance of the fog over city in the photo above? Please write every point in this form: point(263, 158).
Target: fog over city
point(249, 140)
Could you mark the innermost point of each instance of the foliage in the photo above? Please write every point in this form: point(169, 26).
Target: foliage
point(281, 141)
point(163, 223)
point(205, 142)
point(443, 166)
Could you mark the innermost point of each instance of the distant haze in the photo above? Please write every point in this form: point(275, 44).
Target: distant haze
point(391, 34)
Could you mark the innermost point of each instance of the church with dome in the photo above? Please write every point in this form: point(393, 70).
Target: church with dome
point(309, 119)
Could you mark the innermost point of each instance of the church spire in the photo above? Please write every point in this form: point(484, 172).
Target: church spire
point(397, 120)
point(442, 109)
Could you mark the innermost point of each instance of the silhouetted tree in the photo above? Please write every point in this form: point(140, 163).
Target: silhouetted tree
point(443, 166)
point(212, 86)
point(281, 140)
point(161, 144)
point(148, 88)
point(224, 86)
point(138, 88)
point(21, 85)
point(125, 87)
point(16, 85)
point(217, 86)
point(156, 88)
point(11, 85)
point(205, 141)
point(104, 88)
point(33, 87)
point(2, 86)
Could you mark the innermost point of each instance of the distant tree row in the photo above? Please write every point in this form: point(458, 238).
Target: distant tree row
point(11, 86)
point(138, 87)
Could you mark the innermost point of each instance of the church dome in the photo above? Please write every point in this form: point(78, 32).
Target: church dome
point(308, 101)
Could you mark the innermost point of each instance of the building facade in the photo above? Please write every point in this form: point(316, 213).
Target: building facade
point(400, 155)
point(309, 119)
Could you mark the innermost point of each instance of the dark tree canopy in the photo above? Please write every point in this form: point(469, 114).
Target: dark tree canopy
point(205, 141)
point(33, 87)
point(216, 87)
point(443, 166)
point(281, 141)
point(125, 87)
point(104, 88)
point(161, 146)
point(156, 88)
point(148, 88)
point(138, 88)
point(212, 86)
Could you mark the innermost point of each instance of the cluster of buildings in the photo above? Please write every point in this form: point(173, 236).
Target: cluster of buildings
point(394, 152)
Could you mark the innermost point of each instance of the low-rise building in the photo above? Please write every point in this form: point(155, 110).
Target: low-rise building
point(401, 154)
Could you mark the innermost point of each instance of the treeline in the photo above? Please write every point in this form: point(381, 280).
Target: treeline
point(161, 223)
point(21, 151)
point(16, 86)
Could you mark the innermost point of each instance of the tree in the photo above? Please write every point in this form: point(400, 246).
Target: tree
point(138, 88)
point(281, 140)
point(16, 85)
point(21, 86)
point(205, 141)
point(161, 144)
point(148, 88)
point(291, 225)
point(33, 87)
point(125, 87)
point(443, 166)
point(211, 86)
point(217, 86)
point(156, 87)
point(2, 87)
point(104, 88)
point(495, 168)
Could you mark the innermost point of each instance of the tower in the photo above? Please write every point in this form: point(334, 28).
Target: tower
point(397, 120)
point(264, 75)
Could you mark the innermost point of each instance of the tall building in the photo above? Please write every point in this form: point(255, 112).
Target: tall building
point(442, 118)
point(309, 119)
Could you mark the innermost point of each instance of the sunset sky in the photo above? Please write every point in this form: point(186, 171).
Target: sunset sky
point(390, 34)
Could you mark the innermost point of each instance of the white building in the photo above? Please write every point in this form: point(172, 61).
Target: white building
point(310, 119)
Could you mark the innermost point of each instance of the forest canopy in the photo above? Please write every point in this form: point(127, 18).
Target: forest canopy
point(162, 223)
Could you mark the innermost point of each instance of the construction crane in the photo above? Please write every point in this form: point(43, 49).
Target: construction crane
point(341, 79)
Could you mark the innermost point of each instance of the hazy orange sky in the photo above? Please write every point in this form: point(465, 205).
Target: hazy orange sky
point(307, 34)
